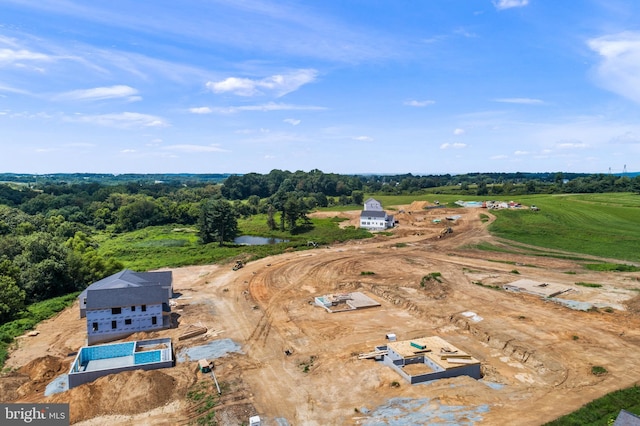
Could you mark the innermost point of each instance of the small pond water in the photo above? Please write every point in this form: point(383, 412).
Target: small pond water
point(251, 240)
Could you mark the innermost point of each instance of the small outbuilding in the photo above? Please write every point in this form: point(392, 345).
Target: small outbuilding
point(205, 365)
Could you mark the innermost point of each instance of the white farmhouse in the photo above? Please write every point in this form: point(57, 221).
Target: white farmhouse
point(374, 218)
point(126, 303)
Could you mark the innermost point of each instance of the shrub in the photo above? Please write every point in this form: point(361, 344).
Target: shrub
point(598, 370)
point(592, 285)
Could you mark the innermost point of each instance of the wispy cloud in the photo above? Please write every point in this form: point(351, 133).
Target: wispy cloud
point(363, 138)
point(13, 90)
point(619, 67)
point(190, 148)
point(271, 106)
point(499, 157)
point(123, 119)
point(626, 138)
point(292, 121)
point(455, 145)
point(458, 132)
point(571, 145)
point(415, 103)
point(523, 101)
point(521, 153)
point(278, 85)
point(200, 110)
point(102, 93)
point(10, 56)
point(508, 4)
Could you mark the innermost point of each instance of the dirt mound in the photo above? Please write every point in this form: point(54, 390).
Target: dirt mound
point(10, 384)
point(45, 368)
point(128, 393)
point(418, 205)
point(40, 372)
point(633, 305)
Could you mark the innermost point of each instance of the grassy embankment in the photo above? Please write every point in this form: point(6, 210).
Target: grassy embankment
point(171, 246)
point(28, 319)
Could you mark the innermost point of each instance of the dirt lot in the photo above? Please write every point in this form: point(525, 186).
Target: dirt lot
point(536, 355)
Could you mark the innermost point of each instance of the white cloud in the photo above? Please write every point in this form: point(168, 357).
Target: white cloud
point(619, 67)
point(363, 138)
point(13, 90)
point(626, 138)
point(278, 85)
point(415, 103)
point(10, 56)
point(499, 157)
point(521, 153)
point(458, 132)
point(270, 106)
point(200, 110)
point(571, 145)
point(455, 145)
point(523, 101)
point(194, 148)
point(508, 4)
point(101, 93)
point(127, 151)
point(123, 119)
point(292, 121)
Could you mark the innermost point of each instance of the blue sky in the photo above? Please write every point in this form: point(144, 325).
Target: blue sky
point(359, 86)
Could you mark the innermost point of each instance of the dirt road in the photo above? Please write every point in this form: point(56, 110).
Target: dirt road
point(536, 355)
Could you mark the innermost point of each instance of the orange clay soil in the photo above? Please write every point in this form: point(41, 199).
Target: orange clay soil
point(540, 353)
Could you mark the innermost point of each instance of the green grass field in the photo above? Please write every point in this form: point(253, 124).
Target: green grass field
point(605, 225)
point(170, 246)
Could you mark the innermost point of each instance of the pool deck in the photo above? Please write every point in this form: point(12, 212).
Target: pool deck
point(109, 363)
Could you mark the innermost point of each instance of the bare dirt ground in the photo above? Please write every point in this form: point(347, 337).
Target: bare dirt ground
point(536, 355)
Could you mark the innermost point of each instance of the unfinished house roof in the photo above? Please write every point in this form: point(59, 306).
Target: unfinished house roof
point(435, 348)
point(142, 288)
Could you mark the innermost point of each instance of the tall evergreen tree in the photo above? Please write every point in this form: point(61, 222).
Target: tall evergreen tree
point(218, 222)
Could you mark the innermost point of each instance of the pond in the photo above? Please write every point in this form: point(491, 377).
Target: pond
point(251, 240)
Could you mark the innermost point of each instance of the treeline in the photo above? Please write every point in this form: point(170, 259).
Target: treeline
point(114, 179)
point(44, 256)
point(240, 187)
point(47, 245)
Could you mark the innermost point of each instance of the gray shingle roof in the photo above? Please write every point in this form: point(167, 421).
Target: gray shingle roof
point(136, 283)
point(105, 298)
point(373, 213)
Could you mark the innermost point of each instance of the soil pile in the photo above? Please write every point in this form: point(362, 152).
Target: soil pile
point(40, 371)
point(130, 392)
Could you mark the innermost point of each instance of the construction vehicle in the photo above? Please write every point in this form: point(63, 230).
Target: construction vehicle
point(445, 231)
point(238, 265)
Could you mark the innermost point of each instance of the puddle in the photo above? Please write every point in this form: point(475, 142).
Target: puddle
point(211, 350)
point(57, 385)
point(408, 411)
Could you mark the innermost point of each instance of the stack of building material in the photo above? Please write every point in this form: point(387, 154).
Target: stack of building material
point(192, 331)
point(455, 357)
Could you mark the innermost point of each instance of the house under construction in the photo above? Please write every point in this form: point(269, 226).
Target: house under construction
point(425, 359)
point(341, 302)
